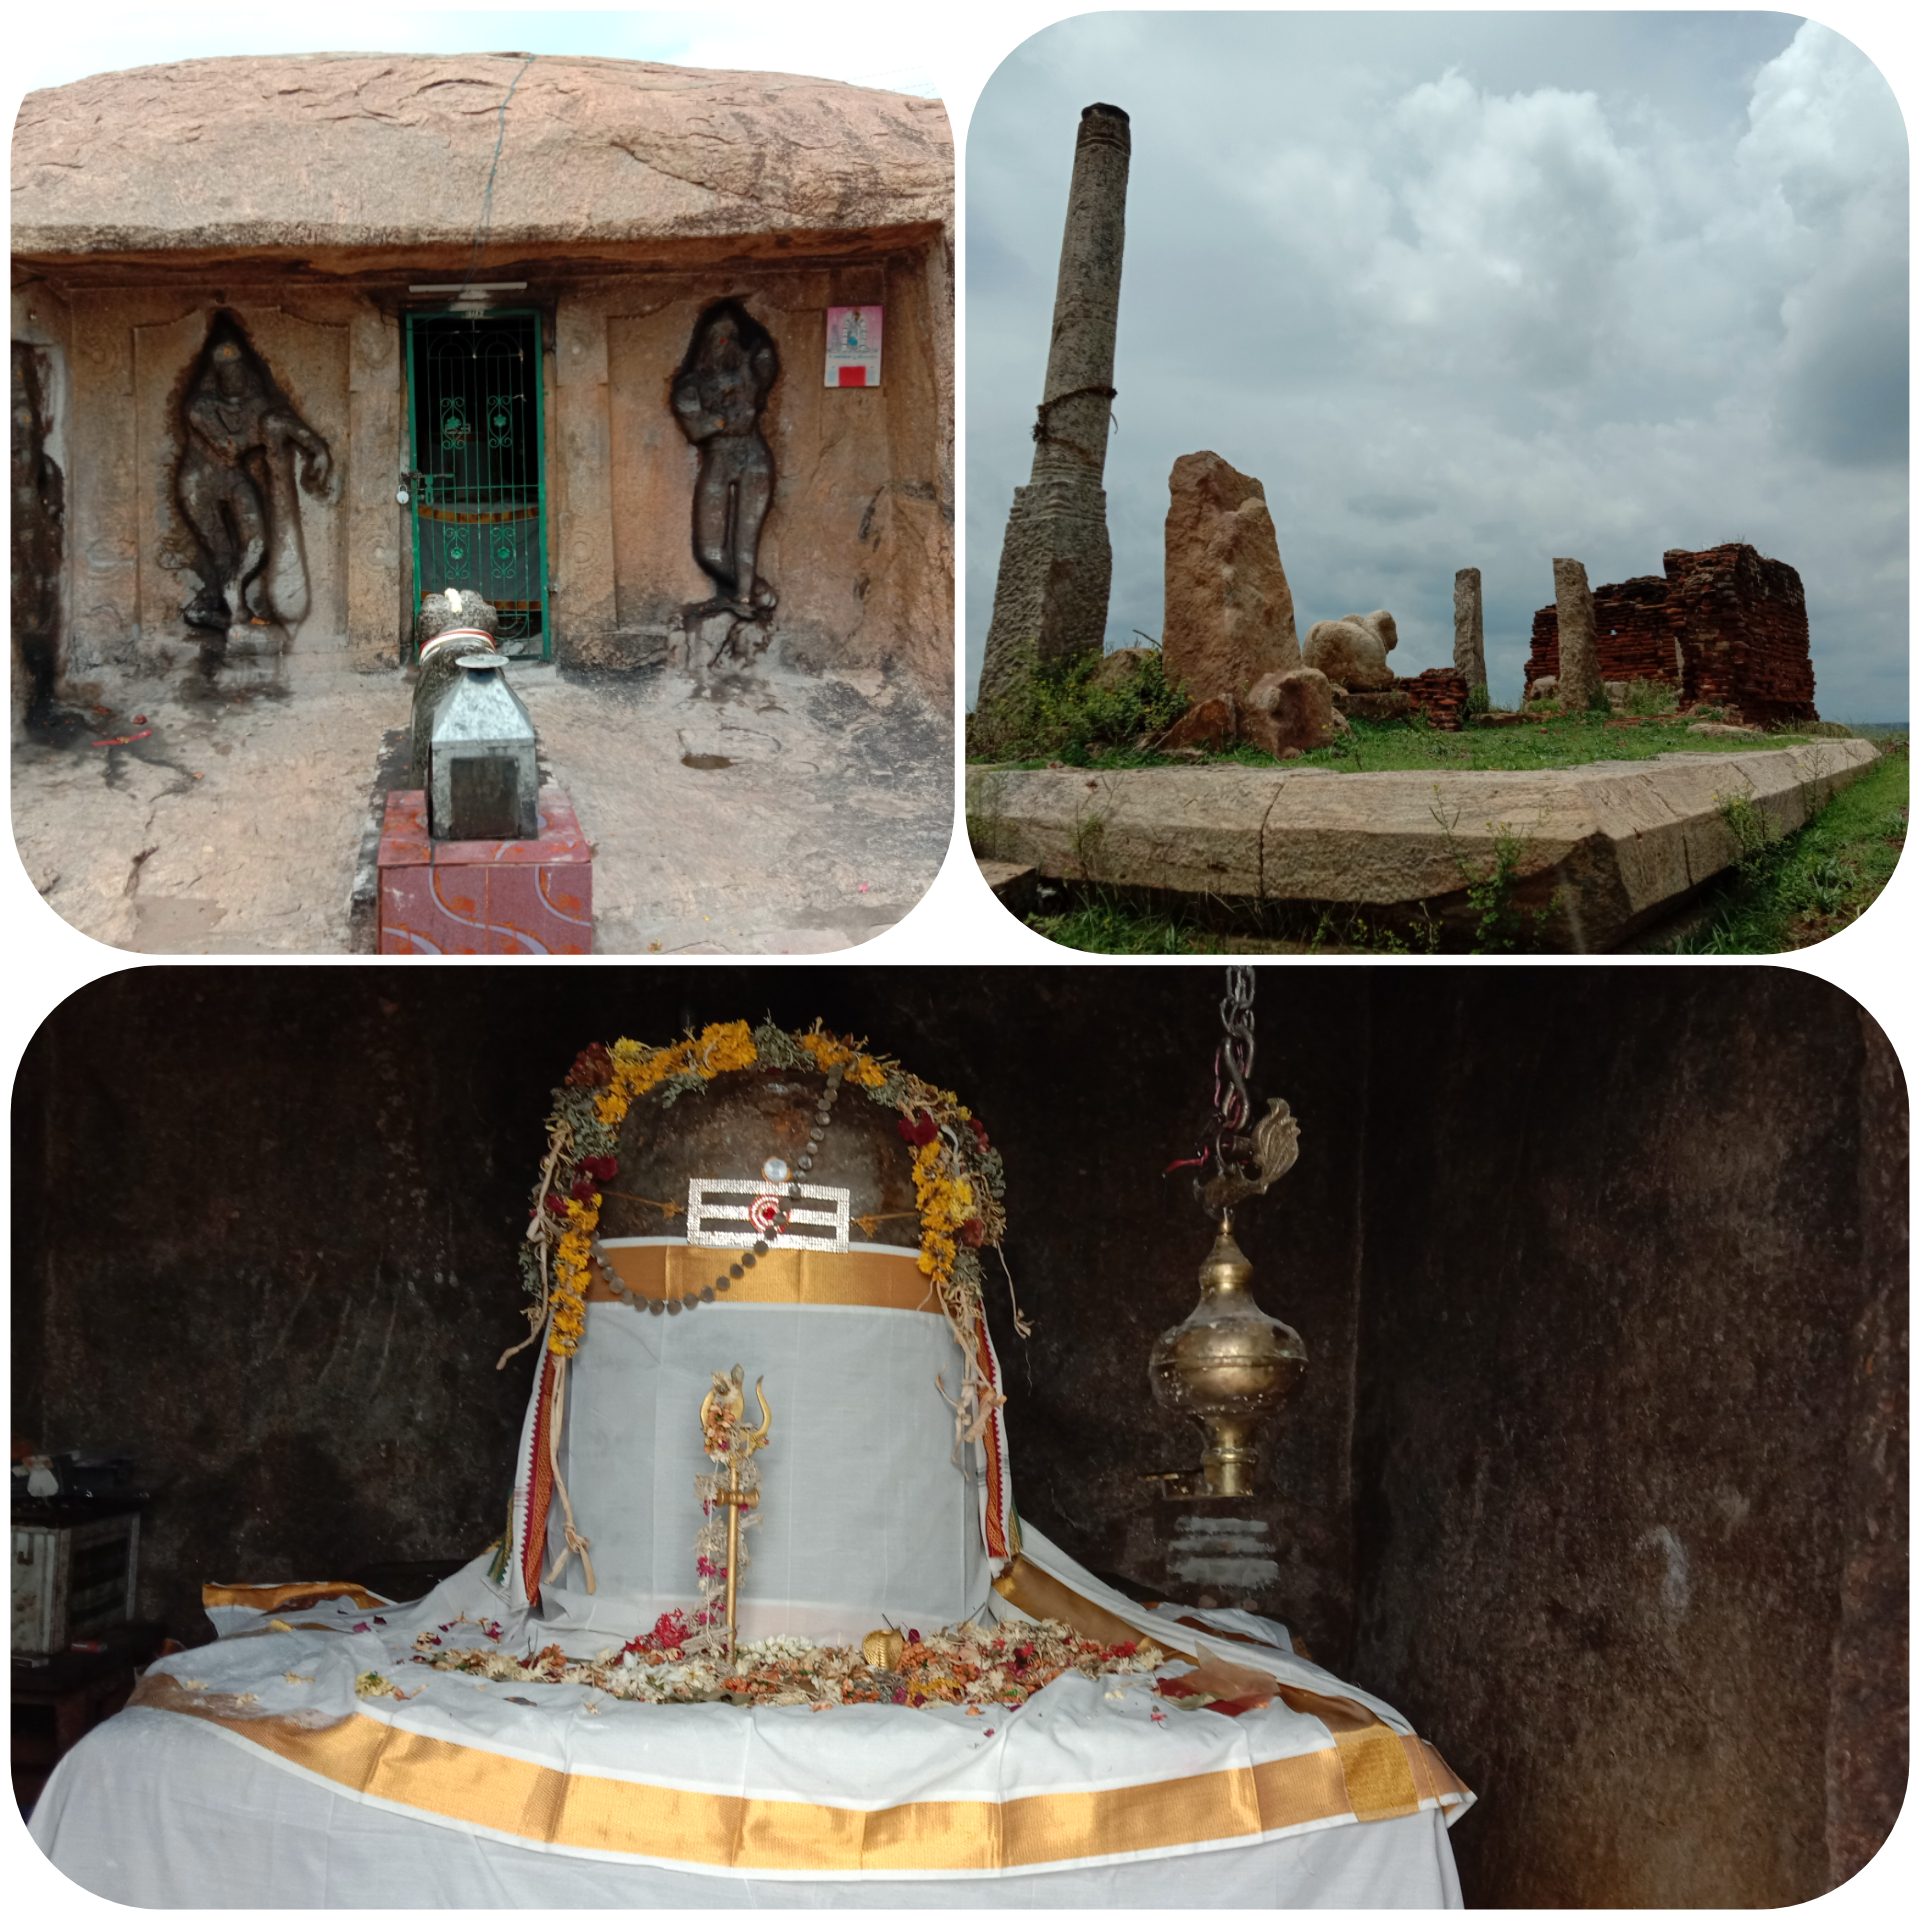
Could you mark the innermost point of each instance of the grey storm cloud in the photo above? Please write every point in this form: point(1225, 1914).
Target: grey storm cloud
point(1473, 290)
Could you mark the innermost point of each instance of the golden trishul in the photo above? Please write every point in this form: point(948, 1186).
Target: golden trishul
point(727, 1398)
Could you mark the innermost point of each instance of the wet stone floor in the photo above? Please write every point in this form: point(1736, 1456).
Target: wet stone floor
point(761, 809)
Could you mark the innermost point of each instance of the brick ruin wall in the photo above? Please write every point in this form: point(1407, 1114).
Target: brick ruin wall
point(1441, 694)
point(1725, 627)
point(1741, 621)
point(1633, 622)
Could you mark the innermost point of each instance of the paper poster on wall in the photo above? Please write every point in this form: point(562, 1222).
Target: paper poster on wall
point(853, 346)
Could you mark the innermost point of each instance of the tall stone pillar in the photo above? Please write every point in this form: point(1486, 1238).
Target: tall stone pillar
point(1580, 686)
point(1056, 565)
point(1469, 637)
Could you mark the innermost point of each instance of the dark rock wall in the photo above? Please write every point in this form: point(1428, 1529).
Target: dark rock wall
point(1090, 1086)
point(1629, 1499)
point(260, 1216)
point(1598, 1465)
point(1867, 1724)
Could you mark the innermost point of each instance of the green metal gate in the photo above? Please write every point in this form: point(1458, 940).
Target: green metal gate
point(479, 494)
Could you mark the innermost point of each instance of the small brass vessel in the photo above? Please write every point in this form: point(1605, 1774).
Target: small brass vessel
point(1228, 1365)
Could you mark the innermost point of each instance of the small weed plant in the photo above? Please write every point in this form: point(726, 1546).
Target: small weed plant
point(1752, 831)
point(1058, 710)
point(1648, 698)
point(1357, 934)
point(1102, 923)
point(1500, 923)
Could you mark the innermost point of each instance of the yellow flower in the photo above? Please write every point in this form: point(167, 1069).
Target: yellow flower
point(725, 1048)
point(946, 1198)
point(827, 1051)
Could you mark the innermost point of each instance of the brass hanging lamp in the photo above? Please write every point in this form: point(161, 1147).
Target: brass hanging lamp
point(1228, 1364)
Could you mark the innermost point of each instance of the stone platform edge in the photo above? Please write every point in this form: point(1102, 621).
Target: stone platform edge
point(1616, 843)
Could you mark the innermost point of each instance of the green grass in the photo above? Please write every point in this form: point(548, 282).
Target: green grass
point(1395, 746)
point(1100, 923)
point(1804, 887)
point(1056, 709)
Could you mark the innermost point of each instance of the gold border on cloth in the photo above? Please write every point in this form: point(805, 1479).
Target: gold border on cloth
point(528, 1801)
point(1041, 1596)
point(294, 1595)
point(1381, 1782)
point(787, 1277)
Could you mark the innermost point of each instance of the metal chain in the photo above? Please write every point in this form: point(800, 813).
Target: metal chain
point(1224, 1142)
point(1232, 1063)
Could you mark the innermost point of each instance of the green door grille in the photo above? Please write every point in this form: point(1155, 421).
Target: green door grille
point(479, 500)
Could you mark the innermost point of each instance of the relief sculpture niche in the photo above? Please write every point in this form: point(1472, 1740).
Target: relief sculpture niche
point(246, 456)
point(719, 393)
point(39, 516)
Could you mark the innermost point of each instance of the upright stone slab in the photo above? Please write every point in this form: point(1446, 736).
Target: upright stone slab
point(1580, 684)
point(1229, 611)
point(1056, 565)
point(1469, 638)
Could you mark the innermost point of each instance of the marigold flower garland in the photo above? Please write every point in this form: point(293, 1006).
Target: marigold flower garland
point(957, 1177)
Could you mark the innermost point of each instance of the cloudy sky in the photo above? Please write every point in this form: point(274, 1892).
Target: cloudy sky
point(1473, 290)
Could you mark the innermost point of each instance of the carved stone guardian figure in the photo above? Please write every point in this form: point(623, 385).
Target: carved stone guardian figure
point(718, 396)
point(241, 442)
point(39, 534)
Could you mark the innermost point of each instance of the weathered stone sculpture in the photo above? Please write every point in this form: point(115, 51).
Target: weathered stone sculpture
point(1290, 712)
point(1229, 610)
point(235, 484)
point(1469, 638)
point(483, 766)
point(448, 625)
point(1056, 566)
point(718, 396)
point(1352, 651)
point(1580, 685)
point(39, 535)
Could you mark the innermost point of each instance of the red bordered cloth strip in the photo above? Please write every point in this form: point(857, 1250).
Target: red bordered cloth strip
point(532, 1545)
point(999, 1522)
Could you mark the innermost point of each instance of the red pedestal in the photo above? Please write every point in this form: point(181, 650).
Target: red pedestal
point(485, 896)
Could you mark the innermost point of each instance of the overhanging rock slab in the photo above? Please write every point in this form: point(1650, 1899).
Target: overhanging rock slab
point(1614, 844)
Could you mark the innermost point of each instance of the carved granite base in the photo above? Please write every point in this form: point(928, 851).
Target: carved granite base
point(1056, 571)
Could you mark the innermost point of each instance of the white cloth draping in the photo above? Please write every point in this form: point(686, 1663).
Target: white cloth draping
point(160, 1808)
point(152, 1810)
point(866, 1509)
point(266, 1771)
